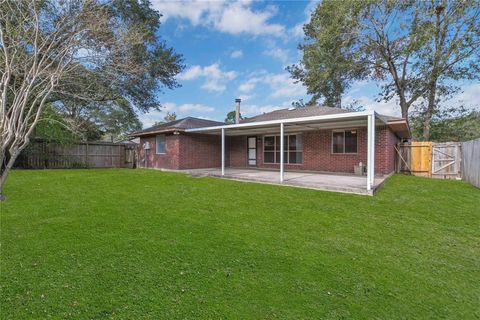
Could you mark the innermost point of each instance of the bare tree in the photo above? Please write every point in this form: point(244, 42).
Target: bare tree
point(82, 49)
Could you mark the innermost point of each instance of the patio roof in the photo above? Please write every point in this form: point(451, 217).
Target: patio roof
point(292, 124)
point(338, 120)
point(328, 121)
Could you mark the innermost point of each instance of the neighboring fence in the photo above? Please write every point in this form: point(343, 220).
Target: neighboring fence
point(43, 155)
point(427, 159)
point(471, 162)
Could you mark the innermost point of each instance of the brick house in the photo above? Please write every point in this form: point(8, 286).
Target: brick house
point(318, 139)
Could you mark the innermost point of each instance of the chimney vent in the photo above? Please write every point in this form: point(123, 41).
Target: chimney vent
point(237, 110)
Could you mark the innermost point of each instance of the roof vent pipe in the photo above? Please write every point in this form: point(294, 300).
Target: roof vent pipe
point(237, 110)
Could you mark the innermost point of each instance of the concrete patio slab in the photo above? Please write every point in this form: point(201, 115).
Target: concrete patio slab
point(311, 180)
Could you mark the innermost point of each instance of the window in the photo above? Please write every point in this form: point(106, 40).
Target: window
point(293, 149)
point(160, 144)
point(344, 141)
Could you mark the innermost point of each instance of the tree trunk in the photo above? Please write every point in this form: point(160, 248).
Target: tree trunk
point(403, 105)
point(5, 170)
point(338, 100)
point(427, 120)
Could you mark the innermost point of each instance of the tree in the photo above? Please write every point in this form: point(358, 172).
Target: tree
point(167, 118)
point(53, 52)
point(448, 124)
point(52, 127)
point(417, 49)
point(230, 119)
point(451, 53)
point(95, 120)
point(330, 54)
point(170, 117)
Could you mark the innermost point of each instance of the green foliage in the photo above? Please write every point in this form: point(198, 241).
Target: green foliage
point(169, 117)
point(417, 50)
point(116, 119)
point(53, 128)
point(448, 125)
point(135, 244)
point(230, 119)
point(331, 59)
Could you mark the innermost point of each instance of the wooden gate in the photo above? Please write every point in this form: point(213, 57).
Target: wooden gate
point(415, 158)
point(427, 159)
point(446, 159)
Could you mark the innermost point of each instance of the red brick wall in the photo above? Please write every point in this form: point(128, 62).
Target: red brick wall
point(183, 151)
point(237, 150)
point(317, 155)
point(169, 160)
point(191, 151)
point(199, 151)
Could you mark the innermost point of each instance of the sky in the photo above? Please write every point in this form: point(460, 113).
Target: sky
point(240, 50)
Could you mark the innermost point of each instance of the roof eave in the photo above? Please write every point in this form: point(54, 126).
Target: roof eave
point(149, 133)
point(405, 132)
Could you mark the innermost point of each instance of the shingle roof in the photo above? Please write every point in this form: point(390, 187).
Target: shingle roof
point(178, 125)
point(295, 113)
point(306, 112)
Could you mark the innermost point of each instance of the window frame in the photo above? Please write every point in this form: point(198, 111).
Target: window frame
point(286, 148)
point(164, 144)
point(343, 130)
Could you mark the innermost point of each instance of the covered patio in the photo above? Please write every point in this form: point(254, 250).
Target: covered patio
point(311, 180)
point(317, 180)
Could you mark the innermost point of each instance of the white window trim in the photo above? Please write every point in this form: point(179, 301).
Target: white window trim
point(285, 149)
point(164, 142)
point(342, 130)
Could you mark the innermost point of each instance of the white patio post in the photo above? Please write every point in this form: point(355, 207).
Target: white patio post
point(223, 151)
point(370, 150)
point(281, 152)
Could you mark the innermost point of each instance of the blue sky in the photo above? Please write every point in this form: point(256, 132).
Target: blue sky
point(240, 50)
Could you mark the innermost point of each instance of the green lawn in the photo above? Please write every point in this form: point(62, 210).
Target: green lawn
point(142, 244)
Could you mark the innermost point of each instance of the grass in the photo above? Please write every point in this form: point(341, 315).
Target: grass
point(140, 244)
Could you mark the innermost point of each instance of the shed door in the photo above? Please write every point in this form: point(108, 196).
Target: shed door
point(252, 151)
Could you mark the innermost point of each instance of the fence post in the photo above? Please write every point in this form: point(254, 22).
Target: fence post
point(86, 154)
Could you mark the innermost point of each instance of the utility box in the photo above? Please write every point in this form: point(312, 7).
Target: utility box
point(359, 169)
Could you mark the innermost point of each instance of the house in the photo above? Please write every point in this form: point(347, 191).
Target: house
point(315, 140)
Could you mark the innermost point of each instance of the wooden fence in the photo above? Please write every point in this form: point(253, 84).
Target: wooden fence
point(427, 159)
point(471, 162)
point(43, 155)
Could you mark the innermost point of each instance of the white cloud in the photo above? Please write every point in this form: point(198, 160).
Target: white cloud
point(277, 53)
point(389, 108)
point(246, 97)
point(252, 110)
point(236, 54)
point(469, 97)
point(187, 107)
point(249, 85)
point(194, 11)
point(215, 78)
point(191, 74)
point(282, 85)
point(230, 17)
point(297, 30)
